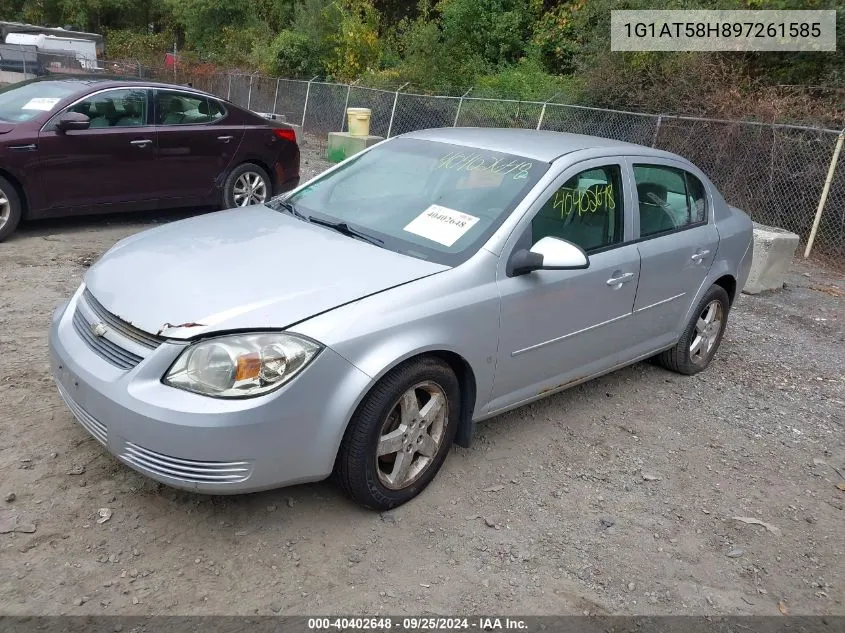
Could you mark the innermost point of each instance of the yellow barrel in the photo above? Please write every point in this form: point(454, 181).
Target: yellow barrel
point(359, 121)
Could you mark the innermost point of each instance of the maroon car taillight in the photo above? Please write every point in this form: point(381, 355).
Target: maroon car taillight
point(285, 134)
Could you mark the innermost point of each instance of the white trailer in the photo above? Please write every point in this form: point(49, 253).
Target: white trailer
point(85, 51)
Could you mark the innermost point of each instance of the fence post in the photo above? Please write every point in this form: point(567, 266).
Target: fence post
point(249, 93)
point(393, 111)
point(346, 104)
point(825, 191)
point(305, 107)
point(276, 96)
point(543, 110)
point(460, 106)
point(656, 130)
point(229, 92)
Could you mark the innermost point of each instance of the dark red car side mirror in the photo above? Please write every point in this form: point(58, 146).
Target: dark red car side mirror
point(72, 121)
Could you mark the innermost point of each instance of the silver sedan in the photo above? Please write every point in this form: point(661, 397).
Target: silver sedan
point(364, 323)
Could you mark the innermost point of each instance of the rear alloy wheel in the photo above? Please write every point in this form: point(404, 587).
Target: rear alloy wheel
point(10, 209)
point(702, 336)
point(247, 184)
point(400, 435)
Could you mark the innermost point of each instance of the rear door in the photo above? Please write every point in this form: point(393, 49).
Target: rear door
point(107, 166)
point(197, 141)
point(677, 245)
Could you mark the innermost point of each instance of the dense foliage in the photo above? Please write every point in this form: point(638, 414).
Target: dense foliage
point(529, 49)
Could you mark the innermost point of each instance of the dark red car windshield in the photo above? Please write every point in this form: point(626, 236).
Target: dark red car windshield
point(24, 101)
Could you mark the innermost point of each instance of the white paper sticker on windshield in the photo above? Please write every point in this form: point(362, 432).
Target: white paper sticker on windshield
point(441, 224)
point(40, 103)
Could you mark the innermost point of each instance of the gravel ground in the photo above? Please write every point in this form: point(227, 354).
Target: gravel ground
point(617, 496)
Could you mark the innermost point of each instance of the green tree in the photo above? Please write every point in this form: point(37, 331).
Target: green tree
point(204, 21)
point(354, 47)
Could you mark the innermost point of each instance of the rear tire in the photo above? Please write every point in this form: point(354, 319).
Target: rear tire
point(702, 336)
point(400, 434)
point(11, 209)
point(247, 184)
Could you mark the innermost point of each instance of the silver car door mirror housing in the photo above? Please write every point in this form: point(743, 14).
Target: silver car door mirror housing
point(549, 253)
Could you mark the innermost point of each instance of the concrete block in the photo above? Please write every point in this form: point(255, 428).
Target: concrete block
point(342, 145)
point(773, 251)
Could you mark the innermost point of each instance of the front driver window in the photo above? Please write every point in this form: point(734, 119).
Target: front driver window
point(587, 210)
point(115, 108)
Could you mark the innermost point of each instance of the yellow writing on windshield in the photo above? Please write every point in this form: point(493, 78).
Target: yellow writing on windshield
point(583, 201)
point(462, 161)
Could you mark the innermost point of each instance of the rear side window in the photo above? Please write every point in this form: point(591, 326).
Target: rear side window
point(182, 108)
point(669, 199)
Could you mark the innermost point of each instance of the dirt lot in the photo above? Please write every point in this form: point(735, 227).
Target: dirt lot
point(614, 497)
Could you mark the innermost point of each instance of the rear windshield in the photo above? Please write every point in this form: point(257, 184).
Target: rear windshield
point(25, 101)
point(427, 199)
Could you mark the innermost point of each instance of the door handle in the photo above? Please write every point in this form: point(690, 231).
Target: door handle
point(621, 279)
point(225, 139)
point(142, 143)
point(697, 257)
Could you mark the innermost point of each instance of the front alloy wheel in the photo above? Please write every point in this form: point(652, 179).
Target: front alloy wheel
point(400, 434)
point(10, 208)
point(411, 436)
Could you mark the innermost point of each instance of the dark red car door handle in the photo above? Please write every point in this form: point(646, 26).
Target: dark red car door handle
point(225, 139)
point(142, 143)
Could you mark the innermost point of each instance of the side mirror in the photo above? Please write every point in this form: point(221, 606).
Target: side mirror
point(550, 253)
point(72, 121)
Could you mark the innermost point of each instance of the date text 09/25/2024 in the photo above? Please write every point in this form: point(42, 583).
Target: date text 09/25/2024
point(417, 624)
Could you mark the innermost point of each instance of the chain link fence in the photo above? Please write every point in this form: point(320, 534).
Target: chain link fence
point(782, 175)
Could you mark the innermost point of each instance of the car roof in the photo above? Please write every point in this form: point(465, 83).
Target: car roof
point(543, 145)
point(100, 82)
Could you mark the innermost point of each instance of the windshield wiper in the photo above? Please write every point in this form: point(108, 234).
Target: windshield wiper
point(282, 205)
point(345, 229)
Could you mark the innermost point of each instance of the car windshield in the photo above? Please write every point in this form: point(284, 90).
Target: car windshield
point(24, 101)
point(427, 199)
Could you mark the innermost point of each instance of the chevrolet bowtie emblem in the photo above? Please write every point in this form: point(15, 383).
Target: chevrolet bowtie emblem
point(99, 329)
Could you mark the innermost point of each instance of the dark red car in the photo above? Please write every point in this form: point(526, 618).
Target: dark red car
point(99, 145)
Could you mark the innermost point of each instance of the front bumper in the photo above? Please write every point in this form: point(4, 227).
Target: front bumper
point(199, 443)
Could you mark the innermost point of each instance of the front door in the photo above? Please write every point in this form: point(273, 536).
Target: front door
point(558, 326)
point(678, 241)
point(109, 165)
point(195, 146)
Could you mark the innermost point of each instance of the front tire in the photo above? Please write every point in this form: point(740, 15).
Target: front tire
point(247, 184)
point(10, 209)
point(702, 336)
point(400, 435)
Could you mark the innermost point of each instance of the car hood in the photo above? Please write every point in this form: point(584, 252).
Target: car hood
point(249, 268)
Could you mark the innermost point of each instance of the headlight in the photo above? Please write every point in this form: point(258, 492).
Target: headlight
point(241, 365)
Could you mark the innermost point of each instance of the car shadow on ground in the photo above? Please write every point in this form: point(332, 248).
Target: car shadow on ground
point(324, 499)
point(86, 223)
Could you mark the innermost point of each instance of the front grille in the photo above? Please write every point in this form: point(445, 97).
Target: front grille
point(95, 428)
point(109, 351)
point(186, 470)
point(150, 341)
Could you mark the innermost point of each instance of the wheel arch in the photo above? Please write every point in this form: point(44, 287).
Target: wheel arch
point(728, 282)
point(259, 162)
point(466, 379)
